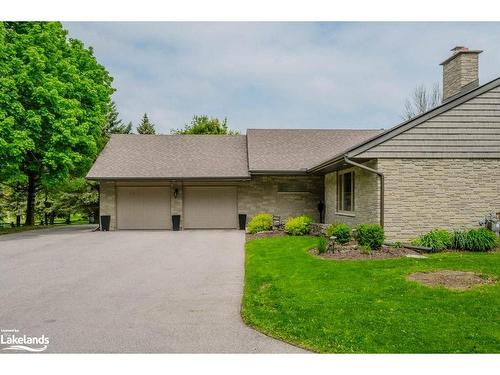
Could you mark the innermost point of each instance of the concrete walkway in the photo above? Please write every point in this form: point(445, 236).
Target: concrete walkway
point(128, 291)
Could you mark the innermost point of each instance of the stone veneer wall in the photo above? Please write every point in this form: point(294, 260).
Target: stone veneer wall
point(176, 204)
point(422, 194)
point(262, 195)
point(366, 197)
point(107, 202)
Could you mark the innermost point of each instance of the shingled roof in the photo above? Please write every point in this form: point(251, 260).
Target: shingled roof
point(131, 156)
point(296, 150)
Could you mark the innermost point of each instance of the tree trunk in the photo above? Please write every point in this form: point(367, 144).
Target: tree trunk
point(18, 220)
point(30, 206)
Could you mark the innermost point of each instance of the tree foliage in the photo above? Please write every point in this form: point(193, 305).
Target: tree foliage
point(76, 196)
point(421, 101)
point(12, 202)
point(205, 125)
point(114, 124)
point(146, 126)
point(54, 101)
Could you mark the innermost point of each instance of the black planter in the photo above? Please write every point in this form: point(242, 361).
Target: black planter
point(105, 220)
point(176, 222)
point(243, 221)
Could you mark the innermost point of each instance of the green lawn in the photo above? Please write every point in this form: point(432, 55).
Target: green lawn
point(367, 306)
point(76, 219)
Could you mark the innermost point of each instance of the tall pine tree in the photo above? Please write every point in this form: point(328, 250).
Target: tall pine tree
point(114, 125)
point(146, 126)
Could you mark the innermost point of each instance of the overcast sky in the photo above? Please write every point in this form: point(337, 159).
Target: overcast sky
point(278, 75)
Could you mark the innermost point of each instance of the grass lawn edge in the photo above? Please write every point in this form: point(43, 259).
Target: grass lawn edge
point(268, 333)
point(474, 262)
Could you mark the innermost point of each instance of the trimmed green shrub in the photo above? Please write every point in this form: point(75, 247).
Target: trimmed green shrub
point(322, 245)
point(371, 235)
point(436, 239)
point(397, 245)
point(341, 231)
point(480, 239)
point(260, 223)
point(299, 226)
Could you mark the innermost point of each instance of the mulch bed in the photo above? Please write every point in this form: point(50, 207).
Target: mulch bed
point(255, 236)
point(450, 279)
point(352, 251)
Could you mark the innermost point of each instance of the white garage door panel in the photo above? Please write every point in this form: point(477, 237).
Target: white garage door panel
point(143, 207)
point(210, 207)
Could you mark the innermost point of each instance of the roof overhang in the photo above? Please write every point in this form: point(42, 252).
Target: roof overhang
point(231, 178)
point(278, 172)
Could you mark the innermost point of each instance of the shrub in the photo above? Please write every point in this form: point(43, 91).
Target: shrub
point(371, 235)
point(436, 239)
point(365, 250)
point(398, 245)
point(322, 245)
point(480, 239)
point(299, 226)
point(341, 231)
point(459, 240)
point(260, 222)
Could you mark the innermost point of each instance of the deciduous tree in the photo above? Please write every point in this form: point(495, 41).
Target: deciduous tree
point(54, 100)
point(421, 101)
point(205, 125)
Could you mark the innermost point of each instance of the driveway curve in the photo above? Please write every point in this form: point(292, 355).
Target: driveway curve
point(129, 291)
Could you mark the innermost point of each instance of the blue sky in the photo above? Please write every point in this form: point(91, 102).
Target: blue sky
point(278, 75)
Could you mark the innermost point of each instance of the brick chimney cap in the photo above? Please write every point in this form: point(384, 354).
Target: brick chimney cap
point(458, 50)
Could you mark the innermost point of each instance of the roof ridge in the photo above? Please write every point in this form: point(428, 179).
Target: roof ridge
point(319, 129)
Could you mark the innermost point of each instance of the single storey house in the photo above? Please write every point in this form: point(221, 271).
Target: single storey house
point(440, 169)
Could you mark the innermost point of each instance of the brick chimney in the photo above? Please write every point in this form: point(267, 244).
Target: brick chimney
point(460, 72)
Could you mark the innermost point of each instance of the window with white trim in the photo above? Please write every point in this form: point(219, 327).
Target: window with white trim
point(345, 191)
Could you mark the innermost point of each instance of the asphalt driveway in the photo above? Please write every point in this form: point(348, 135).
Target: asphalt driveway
point(128, 291)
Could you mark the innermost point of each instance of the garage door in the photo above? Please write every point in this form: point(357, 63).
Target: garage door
point(210, 207)
point(143, 207)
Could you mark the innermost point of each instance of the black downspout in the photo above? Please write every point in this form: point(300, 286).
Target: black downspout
point(381, 175)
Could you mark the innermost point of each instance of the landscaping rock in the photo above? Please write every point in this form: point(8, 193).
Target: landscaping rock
point(319, 229)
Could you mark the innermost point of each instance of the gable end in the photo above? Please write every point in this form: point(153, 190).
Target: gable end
point(470, 129)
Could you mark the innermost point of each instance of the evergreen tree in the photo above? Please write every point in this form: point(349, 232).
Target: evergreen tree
point(114, 124)
point(146, 126)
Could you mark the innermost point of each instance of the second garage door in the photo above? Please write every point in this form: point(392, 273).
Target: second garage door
point(143, 207)
point(210, 207)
